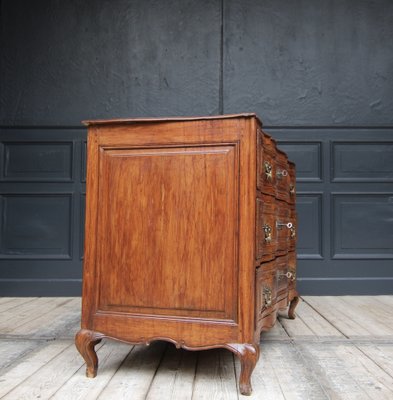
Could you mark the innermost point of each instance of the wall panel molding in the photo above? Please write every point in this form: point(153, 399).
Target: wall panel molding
point(309, 209)
point(281, 59)
point(40, 210)
point(38, 161)
point(307, 156)
point(362, 225)
point(36, 226)
point(362, 161)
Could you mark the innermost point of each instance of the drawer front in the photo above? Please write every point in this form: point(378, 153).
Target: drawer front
point(276, 228)
point(293, 229)
point(282, 177)
point(292, 182)
point(265, 290)
point(266, 180)
point(283, 276)
point(275, 174)
point(292, 269)
point(266, 232)
point(283, 225)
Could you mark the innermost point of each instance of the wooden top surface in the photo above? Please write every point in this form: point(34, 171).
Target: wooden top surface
point(167, 119)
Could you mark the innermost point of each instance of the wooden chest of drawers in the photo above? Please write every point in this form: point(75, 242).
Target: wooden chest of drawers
point(190, 235)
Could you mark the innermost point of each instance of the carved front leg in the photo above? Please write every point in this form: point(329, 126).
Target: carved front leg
point(248, 355)
point(85, 340)
point(292, 306)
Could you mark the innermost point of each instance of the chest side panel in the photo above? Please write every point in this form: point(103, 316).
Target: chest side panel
point(167, 230)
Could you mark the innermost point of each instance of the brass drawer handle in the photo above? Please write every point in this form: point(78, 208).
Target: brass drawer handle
point(279, 225)
point(268, 233)
point(281, 173)
point(293, 232)
point(266, 297)
point(268, 171)
point(291, 189)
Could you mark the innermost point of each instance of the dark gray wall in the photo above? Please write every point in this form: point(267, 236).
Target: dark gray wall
point(310, 62)
point(63, 62)
point(319, 74)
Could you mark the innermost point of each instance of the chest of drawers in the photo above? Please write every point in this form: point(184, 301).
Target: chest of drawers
point(190, 235)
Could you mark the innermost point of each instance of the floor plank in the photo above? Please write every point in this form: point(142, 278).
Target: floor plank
point(14, 350)
point(48, 379)
point(175, 376)
point(386, 300)
point(13, 318)
point(381, 354)
point(134, 377)
point(20, 373)
point(60, 321)
point(309, 323)
point(78, 387)
point(345, 372)
point(343, 319)
point(296, 327)
point(7, 303)
point(374, 320)
point(277, 332)
point(281, 373)
point(265, 382)
point(337, 348)
point(377, 314)
point(215, 376)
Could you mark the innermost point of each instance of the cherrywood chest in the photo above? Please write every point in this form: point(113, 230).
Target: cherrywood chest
point(190, 235)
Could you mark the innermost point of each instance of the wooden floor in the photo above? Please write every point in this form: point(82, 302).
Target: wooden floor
point(337, 348)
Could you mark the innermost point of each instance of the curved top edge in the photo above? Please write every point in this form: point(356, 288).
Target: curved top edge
point(167, 119)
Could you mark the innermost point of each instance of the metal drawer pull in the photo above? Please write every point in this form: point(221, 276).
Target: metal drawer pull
point(281, 224)
point(268, 233)
point(291, 189)
point(266, 297)
point(281, 173)
point(268, 171)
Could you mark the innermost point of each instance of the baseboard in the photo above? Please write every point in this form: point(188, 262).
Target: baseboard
point(344, 286)
point(40, 288)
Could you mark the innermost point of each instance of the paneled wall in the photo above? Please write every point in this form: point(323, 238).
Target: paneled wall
point(345, 207)
point(42, 199)
point(319, 74)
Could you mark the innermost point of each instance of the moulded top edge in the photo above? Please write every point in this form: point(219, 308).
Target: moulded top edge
point(167, 119)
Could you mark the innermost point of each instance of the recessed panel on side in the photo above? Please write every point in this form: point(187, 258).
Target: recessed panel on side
point(167, 237)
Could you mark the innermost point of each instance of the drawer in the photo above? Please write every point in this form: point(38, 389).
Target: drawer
point(292, 182)
point(269, 143)
point(293, 229)
point(282, 176)
point(266, 181)
point(292, 269)
point(283, 276)
point(283, 226)
point(265, 290)
point(266, 238)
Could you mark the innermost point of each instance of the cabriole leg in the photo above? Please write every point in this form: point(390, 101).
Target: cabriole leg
point(291, 311)
point(85, 340)
point(248, 355)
